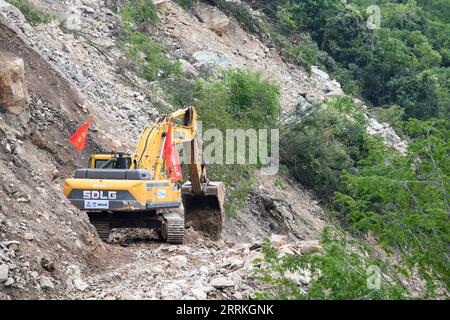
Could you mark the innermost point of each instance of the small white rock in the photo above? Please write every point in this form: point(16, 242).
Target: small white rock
point(4, 269)
point(46, 283)
point(221, 282)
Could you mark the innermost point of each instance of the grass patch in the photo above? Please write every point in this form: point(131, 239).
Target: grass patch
point(33, 15)
point(138, 12)
point(148, 58)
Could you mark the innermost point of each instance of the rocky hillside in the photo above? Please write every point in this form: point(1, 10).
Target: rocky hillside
point(75, 66)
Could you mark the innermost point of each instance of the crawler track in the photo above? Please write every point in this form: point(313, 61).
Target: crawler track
point(103, 228)
point(174, 228)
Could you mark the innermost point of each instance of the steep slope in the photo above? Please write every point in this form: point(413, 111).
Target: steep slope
point(41, 234)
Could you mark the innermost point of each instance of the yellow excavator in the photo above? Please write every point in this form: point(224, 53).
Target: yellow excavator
point(123, 190)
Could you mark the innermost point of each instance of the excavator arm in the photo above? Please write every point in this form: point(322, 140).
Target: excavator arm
point(203, 200)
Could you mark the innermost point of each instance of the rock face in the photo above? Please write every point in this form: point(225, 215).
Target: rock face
point(390, 137)
point(13, 90)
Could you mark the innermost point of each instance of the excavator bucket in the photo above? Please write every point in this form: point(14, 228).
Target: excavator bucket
point(204, 211)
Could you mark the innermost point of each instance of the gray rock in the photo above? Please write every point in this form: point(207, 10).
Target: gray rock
point(187, 68)
point(235, 263)
point(221, 283)
point(211, 59)
point(9, 282)
point(55, 174)
point(14, 245)
point(47, 264)
point(46, 283)
point(37, 139)
point(199, 294)
point(319, 73)
point(177, 261)
point(4, 269)
point(28, 235)
point(79, 284)
point(74, 280)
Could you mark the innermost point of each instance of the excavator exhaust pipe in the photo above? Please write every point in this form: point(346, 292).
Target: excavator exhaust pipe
point(204, 211)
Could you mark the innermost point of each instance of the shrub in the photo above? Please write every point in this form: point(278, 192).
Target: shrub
point(251, 99)
point(138, 12)
point(322, 141)
point(239, 100)
point(149, 58)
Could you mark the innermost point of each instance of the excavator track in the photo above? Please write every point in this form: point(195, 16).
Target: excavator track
point(174, 228)
point(103, 228)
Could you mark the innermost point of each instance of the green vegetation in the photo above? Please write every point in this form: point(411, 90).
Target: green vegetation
point(404, 63)
point(322, 141)
point(147, 56)
point(344, 271)
point(33, 15)
point(239, 100)
point(404, 200)
point(137, 13)
point(401, 200)
point(402, 69)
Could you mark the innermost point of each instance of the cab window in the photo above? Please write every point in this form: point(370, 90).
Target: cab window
point(100, 163)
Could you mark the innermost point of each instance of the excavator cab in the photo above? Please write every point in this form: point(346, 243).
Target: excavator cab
point(110, 160)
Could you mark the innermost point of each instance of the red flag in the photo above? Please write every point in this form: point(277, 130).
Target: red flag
point(167, 151)
point(171, 157)
point(80, 136)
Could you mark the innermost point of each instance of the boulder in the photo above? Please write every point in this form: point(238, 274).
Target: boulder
point(73, 21)
point(315, 71)
point(187, 68)
point(234, 263)
point(214, 19)
point(310, 246)
point(13, 90)
point(210, 59)
point(47, 263)
point(37, 139)
point(74, 281)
